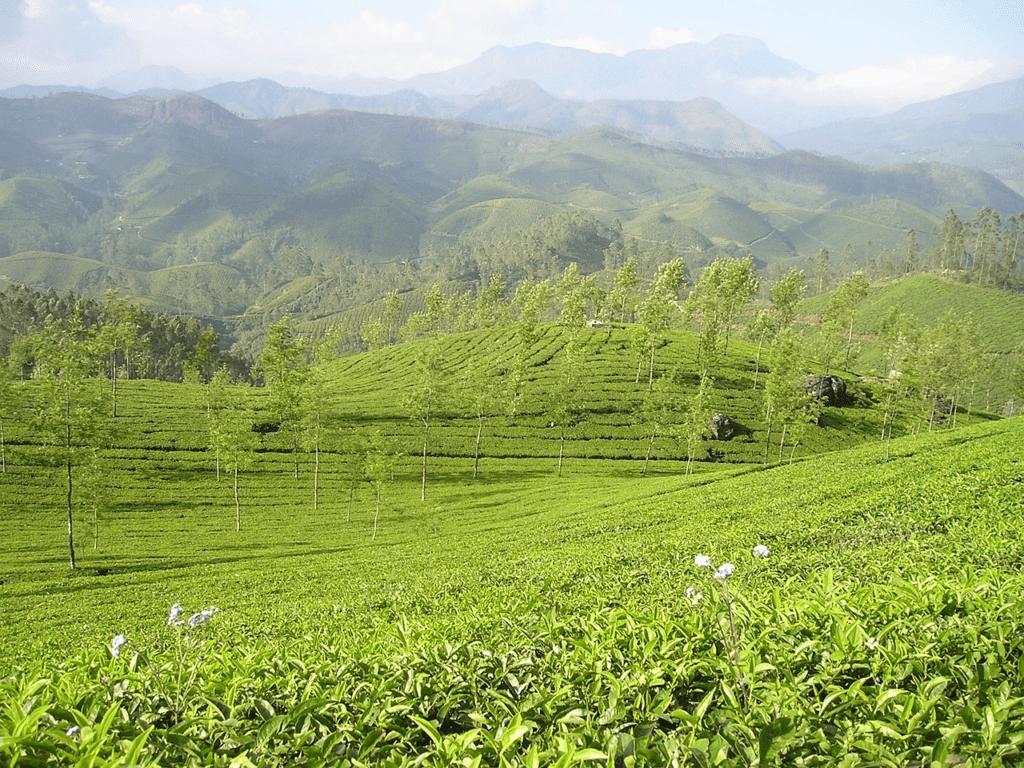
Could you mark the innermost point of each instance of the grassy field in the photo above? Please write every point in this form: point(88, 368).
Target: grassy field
point(521, 618)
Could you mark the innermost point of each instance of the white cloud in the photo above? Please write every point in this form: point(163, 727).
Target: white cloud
point(666, 38)
point(590, 44)
point(913, 79)
point(493, 18)
point(184, 25)
point(229, 42)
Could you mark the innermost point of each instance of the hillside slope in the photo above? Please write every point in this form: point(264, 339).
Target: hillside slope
point(148, 184)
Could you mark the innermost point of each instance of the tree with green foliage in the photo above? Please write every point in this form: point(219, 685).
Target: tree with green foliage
point(738, 285)
point(315, 391)
point(1012, 250)
point(786, 294)
point(572, 291)
point(7, 397)
point(986, 231)
point(952, 242)
point(374, 333)
point(119, 335)
point(784, 394)
point(1017, 382)
point(482, 394)
point(424, 398)
point(949, 357)
point(379, 460)
point(530, 301)
point(622, 297)
point(838, 319)
point(901, 341)
point(695, 420)
point(231, 431)
point(713, 304)
point(655, 413)
point(490, 309)
point(761, 330)
point(200, 366)
point(822, 271)
point(911, 252)
point(391, 316)
point(565, 407)
point(285, 369)
point(659, 308)
point(70, 404)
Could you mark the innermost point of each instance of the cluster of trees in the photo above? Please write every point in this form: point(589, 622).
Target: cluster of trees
point(148, 345)
point(78, 350)
point(988, 250)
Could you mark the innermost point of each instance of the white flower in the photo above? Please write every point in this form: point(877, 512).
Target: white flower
point(724, 571)
point(175, 614)
point(73, 731)
point(872, 643)
point(761, 551)
point(702, 561)
point(115, 646)
point(693, 595)
point(202, 617)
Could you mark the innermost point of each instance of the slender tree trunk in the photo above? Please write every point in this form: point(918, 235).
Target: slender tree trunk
point(423, 481)
point(647, 458)
point(218, 466)
point(757, 360)
point(639, 367)
point(238, 509)
point(561, 451)
point(849, 344)
point(113, 384)
point(782, 440)
point(67, 466)
point(376, 515)
point(476, 456)
point(768, 438)
point(316, 476)
point(650, 378)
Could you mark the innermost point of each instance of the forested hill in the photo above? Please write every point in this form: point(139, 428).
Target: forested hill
point(189, 208)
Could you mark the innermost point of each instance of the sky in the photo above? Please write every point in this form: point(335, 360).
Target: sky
point(896, 51)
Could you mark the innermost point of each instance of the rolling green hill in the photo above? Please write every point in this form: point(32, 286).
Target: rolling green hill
point(520, 617)
point(146, 184)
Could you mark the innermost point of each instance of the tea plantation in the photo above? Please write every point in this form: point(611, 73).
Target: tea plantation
point(518, 618)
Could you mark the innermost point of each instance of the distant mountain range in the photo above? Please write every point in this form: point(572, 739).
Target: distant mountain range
point(982, 128)
point(696, 96)
point(187, 206)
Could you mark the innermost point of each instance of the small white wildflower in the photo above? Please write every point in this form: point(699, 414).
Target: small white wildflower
point(175, 614)
point(115, 646)
point(73, 731)
point(761, 551)
point(693, 595)
point(872, 643)
point(702, 561)
point(724, 571)
point(202, 617)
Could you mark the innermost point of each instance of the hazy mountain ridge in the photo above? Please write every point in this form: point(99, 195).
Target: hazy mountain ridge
point(661, 94)
point(981, 128)
point(228, 209)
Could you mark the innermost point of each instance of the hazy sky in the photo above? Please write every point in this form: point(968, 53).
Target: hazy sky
point(908, 49)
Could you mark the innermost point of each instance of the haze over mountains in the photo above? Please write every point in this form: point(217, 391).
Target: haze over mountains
point(218, 201)
point(728, 95)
